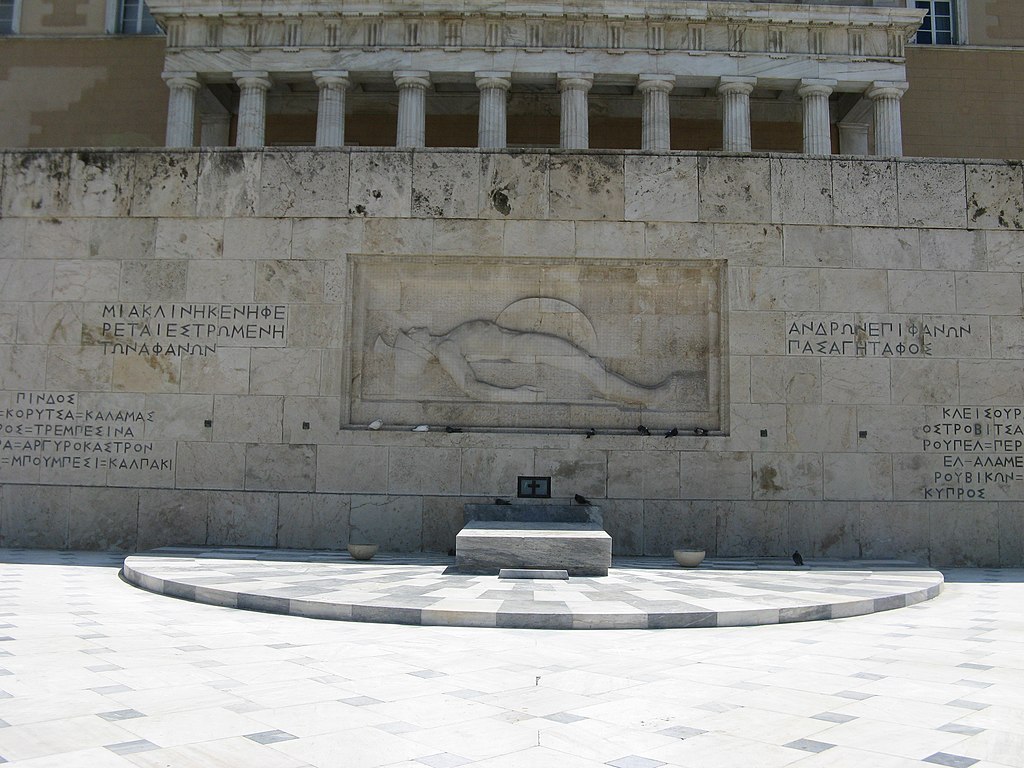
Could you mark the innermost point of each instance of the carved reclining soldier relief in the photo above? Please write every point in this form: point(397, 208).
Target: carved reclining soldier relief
point(477, 341)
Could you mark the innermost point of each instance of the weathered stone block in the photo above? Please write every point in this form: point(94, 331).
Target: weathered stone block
point(875, 247)
point(280, 467)
point(755, 245)
point(221, 281)
point(995, 196)
point(285, 372)
point(643, 474)
point(304, 183)
point(988, 293)
point(821, 427)
point(925, 382)
point(424, 470)
point(228, 183)
point(312, 521)
point(85, 280)
point(35, 184)
point(34, 517)
point(210, 465)
point(242, 520)
point(171, 517)
point(735, 189)
point(672, 525)
point(380, 184)
point(514, 186)
point(189, 239)
point(163, 280)
point(586, 187)
point(248, 419)
point(785, 379)
point(395, 523)
point(166, 184)
point(446, 185)
point(818, 246)
point(787, 476)
point(745, 530)
point(352, 469)
point(667, 240)
point(103, 518)
point(802, 191)
point(660, 188)
point(773, 288)
point(857, 476)
point(921, 291)
point(224, 373)
point(932, 194)
point(953, 250)
point(715, 475)
point(855, 380)
point(290, 281)
point(100, 183)
point(864, 192)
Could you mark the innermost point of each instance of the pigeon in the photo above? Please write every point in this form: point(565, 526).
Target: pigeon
point(421, 428)
point(797, 557)
point(591, 432)
point(700, 432)
point(672, 432)
point(643, 430)
point(450, 429)
point(375, 424)
point(581, 500)
point(503, 502)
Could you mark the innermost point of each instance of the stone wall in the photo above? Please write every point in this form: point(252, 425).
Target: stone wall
point(176, 362)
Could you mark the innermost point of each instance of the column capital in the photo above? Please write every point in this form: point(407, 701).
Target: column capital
point(886, 89)
point(188, 80)
point(740, 85)
point(663, 83)
point(412, 78)
point(575, 81)
point(815, 87)
point(502, 80)
point(253, 79)
point(328, 78)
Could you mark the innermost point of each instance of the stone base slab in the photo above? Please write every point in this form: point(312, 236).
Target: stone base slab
point(581, 549)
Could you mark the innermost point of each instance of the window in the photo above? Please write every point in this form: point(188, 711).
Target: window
point(9, 16)
point(938, 26)
point(134, 19)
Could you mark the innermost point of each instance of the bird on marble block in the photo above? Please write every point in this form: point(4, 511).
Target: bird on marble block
point(452, 430)
point(581, 500)
point(797, 557)
point(643, 430)
point(421, 428)
point(375, 424)
point(700, 432)
point(503, 502)
point(591, 432)
point(672, 432)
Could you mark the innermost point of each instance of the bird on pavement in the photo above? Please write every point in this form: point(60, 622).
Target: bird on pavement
point(581, 500)
point(797, 557)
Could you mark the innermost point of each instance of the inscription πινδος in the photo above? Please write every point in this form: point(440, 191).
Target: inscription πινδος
point(55, 430)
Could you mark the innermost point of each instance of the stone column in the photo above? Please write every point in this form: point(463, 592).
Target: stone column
point(574, 130)
point(412, 107)
point(491, 126)
point(735, 93)
point(330, 113)
point(655, 90)
point(181, 108)
point(853, 138)
point(252, 108)
point(817, 124)
point(888, 120)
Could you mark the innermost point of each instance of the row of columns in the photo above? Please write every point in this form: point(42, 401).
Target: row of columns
point(574, 127)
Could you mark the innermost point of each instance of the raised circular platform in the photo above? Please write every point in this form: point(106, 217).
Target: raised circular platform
point(638, 593)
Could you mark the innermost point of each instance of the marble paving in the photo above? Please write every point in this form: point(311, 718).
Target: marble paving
point(95, 673)
point(638, 593)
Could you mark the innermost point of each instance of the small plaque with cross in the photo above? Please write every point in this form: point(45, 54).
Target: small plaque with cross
point(534, 487)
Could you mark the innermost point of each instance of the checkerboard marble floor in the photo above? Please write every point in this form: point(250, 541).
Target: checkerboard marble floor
point(638, 593)
point(95, 672)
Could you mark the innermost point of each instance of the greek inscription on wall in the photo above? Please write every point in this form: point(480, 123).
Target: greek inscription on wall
point(174, 330)
point(972, 453)
point(828, 335)
point(58, 430)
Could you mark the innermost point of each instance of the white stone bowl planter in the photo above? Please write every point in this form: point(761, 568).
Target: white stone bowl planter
point(362, 551)
point(688, 558)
